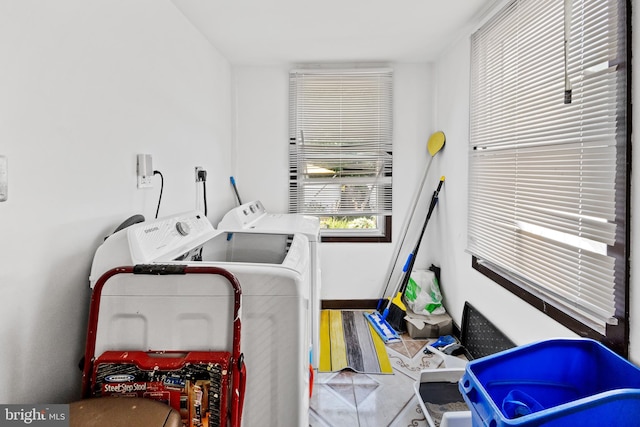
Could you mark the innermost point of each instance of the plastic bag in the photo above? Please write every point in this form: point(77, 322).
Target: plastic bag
point(422, 294)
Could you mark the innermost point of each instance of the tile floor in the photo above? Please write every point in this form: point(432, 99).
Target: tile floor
point(350, 399)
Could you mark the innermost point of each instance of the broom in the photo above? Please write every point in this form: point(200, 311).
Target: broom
point(378, 319)
point(435, 144)
point(397, 312)
point(395, 307)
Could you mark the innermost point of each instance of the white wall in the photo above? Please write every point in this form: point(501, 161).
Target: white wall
point(84, 87)
point(460, 282)
point(261, 134)
point(349, 271)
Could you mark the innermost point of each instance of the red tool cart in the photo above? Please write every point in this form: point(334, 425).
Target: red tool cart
point(207, 388)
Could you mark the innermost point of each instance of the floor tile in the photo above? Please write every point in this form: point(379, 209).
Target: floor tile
point(333, 404)
point(410, 416)
point(384, 405)
point(350, 399)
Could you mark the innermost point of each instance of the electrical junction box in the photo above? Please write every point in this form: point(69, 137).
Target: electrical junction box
point(145, 171)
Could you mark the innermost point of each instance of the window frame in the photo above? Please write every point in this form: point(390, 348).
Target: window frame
point(383, 231)
point(383, 237)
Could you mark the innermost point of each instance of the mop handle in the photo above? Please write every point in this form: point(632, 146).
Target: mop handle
point(235, 189)
point(412, 257)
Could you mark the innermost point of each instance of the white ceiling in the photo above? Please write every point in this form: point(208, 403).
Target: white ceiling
point(303, 31)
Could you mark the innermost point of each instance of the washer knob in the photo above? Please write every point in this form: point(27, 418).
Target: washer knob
point(183, 228)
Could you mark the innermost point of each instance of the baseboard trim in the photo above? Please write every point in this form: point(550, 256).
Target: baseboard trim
point(349, 304)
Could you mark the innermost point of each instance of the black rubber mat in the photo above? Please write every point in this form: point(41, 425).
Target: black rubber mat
point(479, 336)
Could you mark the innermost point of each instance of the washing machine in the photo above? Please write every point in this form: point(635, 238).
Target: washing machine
point(180, 313)
point(253, 217)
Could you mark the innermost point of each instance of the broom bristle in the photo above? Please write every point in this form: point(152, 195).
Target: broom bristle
point(395, 319)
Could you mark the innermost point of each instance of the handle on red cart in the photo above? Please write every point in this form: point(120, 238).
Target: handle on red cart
point(239, 368)
point(185, 269)
point(239, 387)
point(311, 379)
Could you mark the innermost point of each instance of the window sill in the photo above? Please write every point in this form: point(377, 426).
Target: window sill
point(616, 337)
point(385, 238)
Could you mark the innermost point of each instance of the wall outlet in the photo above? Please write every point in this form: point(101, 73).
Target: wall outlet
point(145, 171)
point(199, 170)
point(145, 182)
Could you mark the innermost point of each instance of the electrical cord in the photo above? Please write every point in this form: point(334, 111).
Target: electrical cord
point(161, 188)
point(202, 176)
point(204, 195)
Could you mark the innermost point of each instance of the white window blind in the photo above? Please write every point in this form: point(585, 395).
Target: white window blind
point(547, 179)
point(340, 142)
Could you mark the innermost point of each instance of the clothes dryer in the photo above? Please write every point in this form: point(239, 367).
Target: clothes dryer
point(253, 217)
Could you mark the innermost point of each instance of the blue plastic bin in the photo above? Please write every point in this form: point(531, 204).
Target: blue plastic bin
point(560, 382)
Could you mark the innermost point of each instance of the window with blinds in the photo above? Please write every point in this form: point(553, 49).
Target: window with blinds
point(340, 149)
point(548, 155)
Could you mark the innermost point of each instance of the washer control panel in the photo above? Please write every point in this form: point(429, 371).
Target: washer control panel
point(242, 216)
point(165, 237)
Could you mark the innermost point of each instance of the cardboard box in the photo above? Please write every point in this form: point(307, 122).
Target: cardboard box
point(433, 326)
